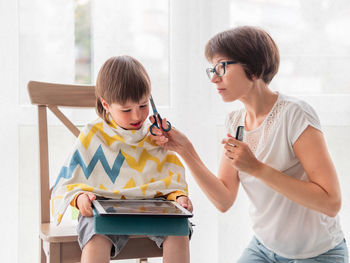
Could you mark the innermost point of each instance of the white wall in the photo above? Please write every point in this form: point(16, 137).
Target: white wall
point(9, 130)
point(36, 42)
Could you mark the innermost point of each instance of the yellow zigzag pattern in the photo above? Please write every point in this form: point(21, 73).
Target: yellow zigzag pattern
point(148, 140)
point(145, 186)
point(102, 187)
point(130, 184)
point(83, 187)
point(86, 139)
point(53, 203)
point(144, 156)
point(178, 178)
point(167, 180)
point(59, 219)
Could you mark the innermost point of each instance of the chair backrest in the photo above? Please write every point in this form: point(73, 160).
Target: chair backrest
point(52, 96)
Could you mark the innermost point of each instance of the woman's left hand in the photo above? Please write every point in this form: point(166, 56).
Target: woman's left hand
point(241, 157)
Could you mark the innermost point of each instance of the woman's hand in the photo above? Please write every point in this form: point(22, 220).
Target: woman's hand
point(242, 158)
point(172, 140)
point(84, 203)
point(185, 202)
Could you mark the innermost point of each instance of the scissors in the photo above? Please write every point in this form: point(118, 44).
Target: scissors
point(156, 116)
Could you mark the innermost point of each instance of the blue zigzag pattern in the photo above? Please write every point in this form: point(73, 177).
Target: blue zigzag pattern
point(66, 172)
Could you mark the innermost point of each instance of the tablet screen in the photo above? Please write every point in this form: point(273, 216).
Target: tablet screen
point(140, 207)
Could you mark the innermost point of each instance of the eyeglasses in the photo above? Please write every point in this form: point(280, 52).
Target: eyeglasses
point(219, 69)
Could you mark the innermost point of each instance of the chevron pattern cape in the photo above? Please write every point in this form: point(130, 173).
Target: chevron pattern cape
point(115, 163)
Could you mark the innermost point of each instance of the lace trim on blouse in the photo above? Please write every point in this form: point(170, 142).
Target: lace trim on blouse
point(257, 138)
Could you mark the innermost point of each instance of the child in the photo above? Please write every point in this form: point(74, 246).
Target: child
point(115, 158)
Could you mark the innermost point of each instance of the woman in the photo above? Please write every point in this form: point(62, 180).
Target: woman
point(283, 163)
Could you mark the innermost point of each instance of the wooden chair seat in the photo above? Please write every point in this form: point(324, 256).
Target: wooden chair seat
point(63, 233)
point(66, 238)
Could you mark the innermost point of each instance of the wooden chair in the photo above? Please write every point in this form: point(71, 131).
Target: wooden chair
point(59, 243)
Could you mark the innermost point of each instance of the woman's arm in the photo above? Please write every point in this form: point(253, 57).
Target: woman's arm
point(221, 190)
point(320, 193)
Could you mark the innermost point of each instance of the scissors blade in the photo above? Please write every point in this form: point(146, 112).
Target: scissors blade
point(155, 112)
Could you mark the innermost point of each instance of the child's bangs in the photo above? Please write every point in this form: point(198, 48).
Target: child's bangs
point(129, 81)
point(134, 88)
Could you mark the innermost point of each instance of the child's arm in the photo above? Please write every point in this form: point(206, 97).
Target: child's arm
point(180, 197)
point(174, 195)
point(83, 203)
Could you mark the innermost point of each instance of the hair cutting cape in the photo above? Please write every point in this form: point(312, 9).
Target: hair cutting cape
point(116, 163)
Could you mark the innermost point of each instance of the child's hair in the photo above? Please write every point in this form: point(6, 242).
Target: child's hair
point(119, 80)
point(250, 46)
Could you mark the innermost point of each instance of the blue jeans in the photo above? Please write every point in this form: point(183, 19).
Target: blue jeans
point(258, 253)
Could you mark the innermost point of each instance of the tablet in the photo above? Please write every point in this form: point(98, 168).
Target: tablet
point(111, 207)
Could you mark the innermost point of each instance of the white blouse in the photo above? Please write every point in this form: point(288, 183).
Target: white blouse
point(283, 226)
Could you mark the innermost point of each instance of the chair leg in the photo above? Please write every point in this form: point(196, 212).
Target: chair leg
point(42, 252)
point(142, 260)
point(54, 253)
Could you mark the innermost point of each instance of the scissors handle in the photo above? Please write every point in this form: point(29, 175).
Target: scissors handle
point(155, 124)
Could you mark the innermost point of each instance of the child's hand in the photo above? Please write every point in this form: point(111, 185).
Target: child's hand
point(185, 202)
point(84, 203)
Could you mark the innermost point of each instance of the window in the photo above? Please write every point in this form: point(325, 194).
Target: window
point(114, 27)
point(82, 33)
point(315, 50)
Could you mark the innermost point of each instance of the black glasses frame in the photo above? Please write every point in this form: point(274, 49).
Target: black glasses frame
point(213, 70)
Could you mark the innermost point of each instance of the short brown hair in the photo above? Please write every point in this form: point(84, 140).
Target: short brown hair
point(119, 80)
point(250, 46)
